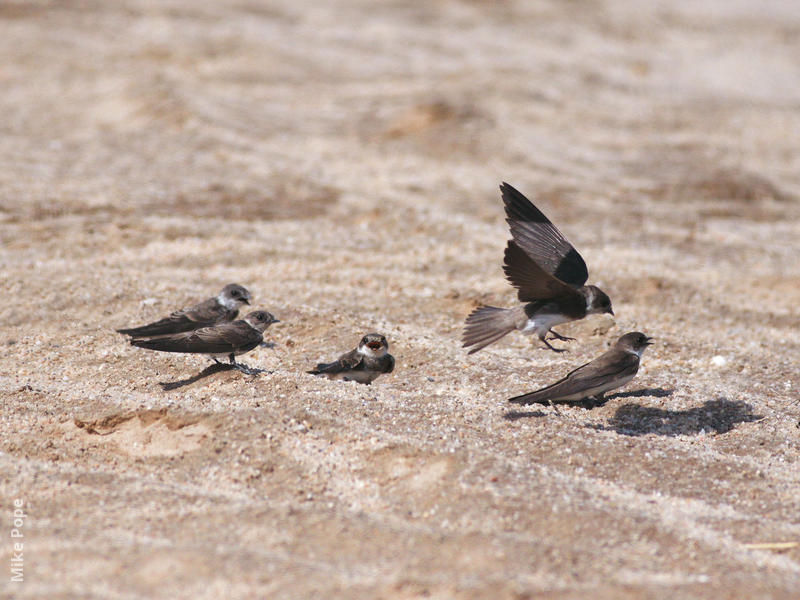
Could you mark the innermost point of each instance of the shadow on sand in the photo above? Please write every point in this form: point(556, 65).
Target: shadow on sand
point(644, 392)
point(207, 372)
point(717, 416)
point(515, 415)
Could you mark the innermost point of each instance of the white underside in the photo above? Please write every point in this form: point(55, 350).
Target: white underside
point(359, 376)
point(226, 355)
point(541, 324)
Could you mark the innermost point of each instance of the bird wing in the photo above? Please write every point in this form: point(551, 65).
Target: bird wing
point(612, 365)
point(532, 281)
point(207, 313)
point(346, 362)
point(237, 336)
point(540, 239)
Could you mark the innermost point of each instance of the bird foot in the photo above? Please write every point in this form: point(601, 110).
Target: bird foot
point(553, 348)
point(593, 402)
point(247, 370)
point(558, 336)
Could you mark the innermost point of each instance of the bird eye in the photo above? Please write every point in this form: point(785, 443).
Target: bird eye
point(235, 293)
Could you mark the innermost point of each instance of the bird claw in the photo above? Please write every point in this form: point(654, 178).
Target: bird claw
point(558, 336)
point(553, 348)
point(247, 370)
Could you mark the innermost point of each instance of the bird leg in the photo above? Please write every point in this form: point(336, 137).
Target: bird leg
point(558, 336)
point(242, 367)
point(546, 343)
point(595, 401)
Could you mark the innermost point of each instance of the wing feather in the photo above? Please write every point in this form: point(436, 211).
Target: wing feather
point(346, 362)
point(238, 336)
point(532, 282)
point(611, 366)
point(541, 240)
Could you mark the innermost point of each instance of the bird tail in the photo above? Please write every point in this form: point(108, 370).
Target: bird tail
point(162, 327)
point(486, 325)
point(142, 343)
point(537, 397)
point(165, 343)
point(320, 369)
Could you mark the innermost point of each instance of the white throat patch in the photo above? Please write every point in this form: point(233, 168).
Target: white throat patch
point(638, 352)
point(589, 299)
point(367, 351)
point(228, 302)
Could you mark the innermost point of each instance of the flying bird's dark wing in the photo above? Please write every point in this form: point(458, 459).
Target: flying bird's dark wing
point(532, 282)
point(613, 365)
point(238, 336)
point(207, 313)
point(540, 239)
point(346, 362)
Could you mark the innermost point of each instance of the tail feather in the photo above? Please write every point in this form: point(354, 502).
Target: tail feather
point(162, 327)
point(486, 325)
point(321, 368)
point(149, 343)
point(537, 397)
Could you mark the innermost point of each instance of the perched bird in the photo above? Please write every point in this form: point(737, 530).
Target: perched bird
point(219, 309)
point(609, 371)
point(549, 275)
point(226, 340)
point(364, 364)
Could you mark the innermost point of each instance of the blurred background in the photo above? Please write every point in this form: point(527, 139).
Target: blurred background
point(341, 158)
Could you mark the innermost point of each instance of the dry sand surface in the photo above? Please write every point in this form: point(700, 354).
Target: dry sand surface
point(341, 159)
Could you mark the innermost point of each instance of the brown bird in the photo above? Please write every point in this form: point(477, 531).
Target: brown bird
point(609, 371)
point(220, 309)
point(226, 340)
point(364, 364)
point(549, 276)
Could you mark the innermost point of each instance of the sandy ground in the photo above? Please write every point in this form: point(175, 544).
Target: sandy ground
point(341, 160)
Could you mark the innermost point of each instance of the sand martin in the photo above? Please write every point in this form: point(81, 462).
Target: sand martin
point(609, 371)
point(225, 340)
point(364, 364)
point(219, 309)
point(549, 275)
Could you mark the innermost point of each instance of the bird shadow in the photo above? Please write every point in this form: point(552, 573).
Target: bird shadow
point(714, 416)
point(644, 392)
point(207, 372)
point(516, 415)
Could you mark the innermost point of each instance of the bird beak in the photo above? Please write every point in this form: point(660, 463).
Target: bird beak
point(276, 320)
point(246, 301)
point(374, 345)
point(611, 312)
point(648, 342)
